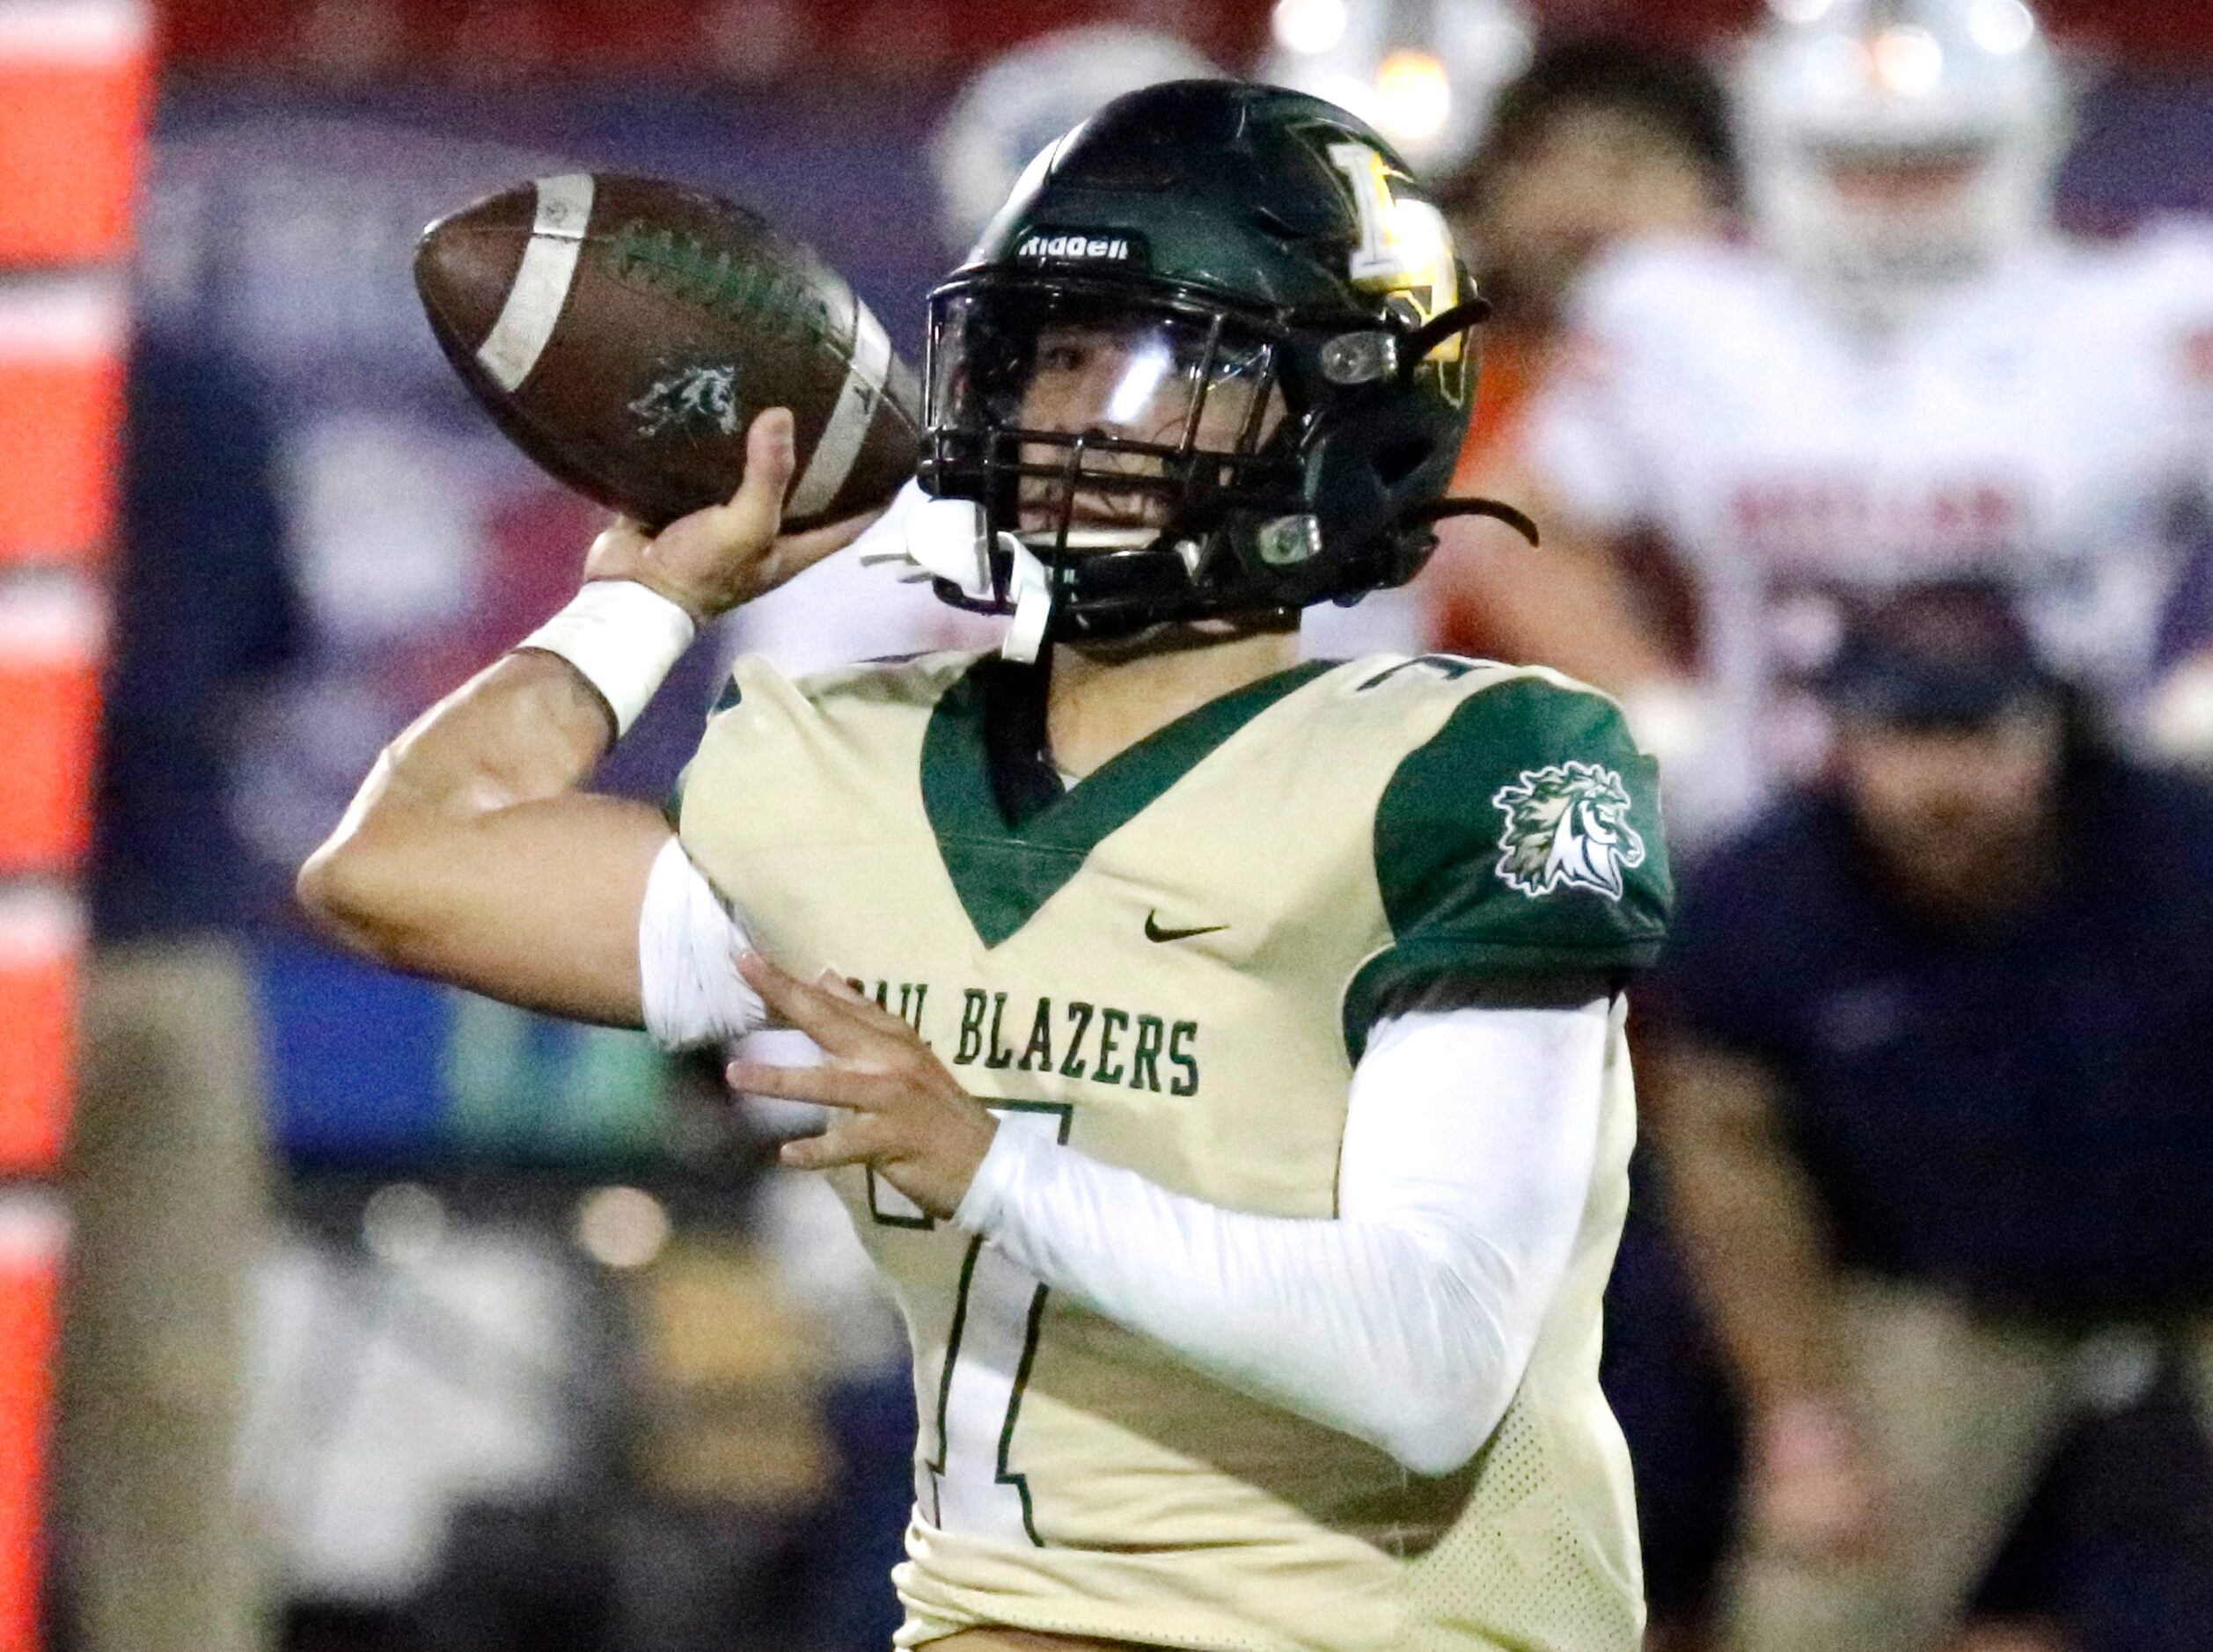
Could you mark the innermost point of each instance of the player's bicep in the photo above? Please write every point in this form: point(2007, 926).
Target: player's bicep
point(1488, 1115)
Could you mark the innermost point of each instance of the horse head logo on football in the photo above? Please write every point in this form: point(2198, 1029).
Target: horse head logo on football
point(698, 398)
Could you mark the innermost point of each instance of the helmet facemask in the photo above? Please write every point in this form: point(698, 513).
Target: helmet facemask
point(1210, 362)
point(1141, 457)
point(1120, 437)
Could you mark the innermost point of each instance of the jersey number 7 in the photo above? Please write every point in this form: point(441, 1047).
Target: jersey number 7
point(969, 1486)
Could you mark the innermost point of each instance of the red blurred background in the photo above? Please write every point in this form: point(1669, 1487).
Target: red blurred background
point(759, 39)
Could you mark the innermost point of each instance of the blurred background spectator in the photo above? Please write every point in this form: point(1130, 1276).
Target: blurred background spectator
point(1935, 1103)
point(538, 1354)
point(167, 1169)
point(1601, 141)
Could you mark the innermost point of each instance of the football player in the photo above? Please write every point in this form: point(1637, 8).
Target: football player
point(1909, 374)
point(1224, 1056)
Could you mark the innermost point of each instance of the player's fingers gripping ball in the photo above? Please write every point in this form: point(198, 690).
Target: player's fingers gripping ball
point(898, 1108)
point(716, 559)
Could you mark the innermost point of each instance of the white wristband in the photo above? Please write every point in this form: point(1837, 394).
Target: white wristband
point(624, 637)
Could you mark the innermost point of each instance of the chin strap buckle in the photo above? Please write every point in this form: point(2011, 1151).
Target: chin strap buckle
point(950, 539)
point(1031, 591)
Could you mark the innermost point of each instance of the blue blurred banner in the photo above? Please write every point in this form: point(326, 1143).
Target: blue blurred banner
point(373, 1069)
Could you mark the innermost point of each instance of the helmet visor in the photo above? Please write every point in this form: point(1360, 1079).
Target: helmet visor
point(1095, 418)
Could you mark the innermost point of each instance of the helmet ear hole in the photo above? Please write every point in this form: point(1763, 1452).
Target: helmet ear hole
point(1396, 461)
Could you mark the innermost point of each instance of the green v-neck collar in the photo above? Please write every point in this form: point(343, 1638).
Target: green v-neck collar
point(1004, 870)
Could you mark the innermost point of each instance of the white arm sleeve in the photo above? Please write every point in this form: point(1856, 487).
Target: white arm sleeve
point(688, 943)
point(1470, 1140)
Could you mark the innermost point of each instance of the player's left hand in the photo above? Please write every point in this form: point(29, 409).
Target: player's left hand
point(897, 1106)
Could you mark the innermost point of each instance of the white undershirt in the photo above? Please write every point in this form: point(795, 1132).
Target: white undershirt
point(1407, 1321)
point(688, 943)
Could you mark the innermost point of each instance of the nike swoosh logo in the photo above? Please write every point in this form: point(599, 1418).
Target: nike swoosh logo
point(1153, 931)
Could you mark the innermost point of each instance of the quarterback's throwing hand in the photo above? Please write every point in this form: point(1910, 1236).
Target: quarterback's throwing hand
point(712, 560)
point(898, 1108)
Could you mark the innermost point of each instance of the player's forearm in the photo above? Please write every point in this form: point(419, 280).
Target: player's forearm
point(528, 726)
point(1368, 1328)
point(1408, 1322)
point(1757, 1251)
point(1748, 1221)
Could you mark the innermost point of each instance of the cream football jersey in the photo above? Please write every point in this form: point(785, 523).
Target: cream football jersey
point(1172, 965)
point(2040, 425)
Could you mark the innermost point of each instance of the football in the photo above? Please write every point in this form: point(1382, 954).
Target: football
point(624, 331)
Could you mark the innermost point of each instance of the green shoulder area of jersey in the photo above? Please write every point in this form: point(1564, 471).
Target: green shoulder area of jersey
point(1524, 839)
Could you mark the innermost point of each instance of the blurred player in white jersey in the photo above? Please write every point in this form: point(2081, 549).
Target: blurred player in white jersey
point(1599, 141)
point(1909, 374)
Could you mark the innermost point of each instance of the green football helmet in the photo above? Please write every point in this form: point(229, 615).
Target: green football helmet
point(1211, 358)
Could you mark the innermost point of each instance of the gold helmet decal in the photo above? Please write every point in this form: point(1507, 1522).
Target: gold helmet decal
point(1405, 251)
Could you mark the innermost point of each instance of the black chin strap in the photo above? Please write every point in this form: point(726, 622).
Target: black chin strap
point(1414, 348)
point(1498, 510)
point(1016, 746)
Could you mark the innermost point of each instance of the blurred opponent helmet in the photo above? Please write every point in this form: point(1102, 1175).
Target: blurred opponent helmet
point(1421, 72)
point(1208, 359)
point(1020, 102)
point(1896, 148)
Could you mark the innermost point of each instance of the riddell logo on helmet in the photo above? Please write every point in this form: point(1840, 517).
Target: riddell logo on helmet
point(1089, 246)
